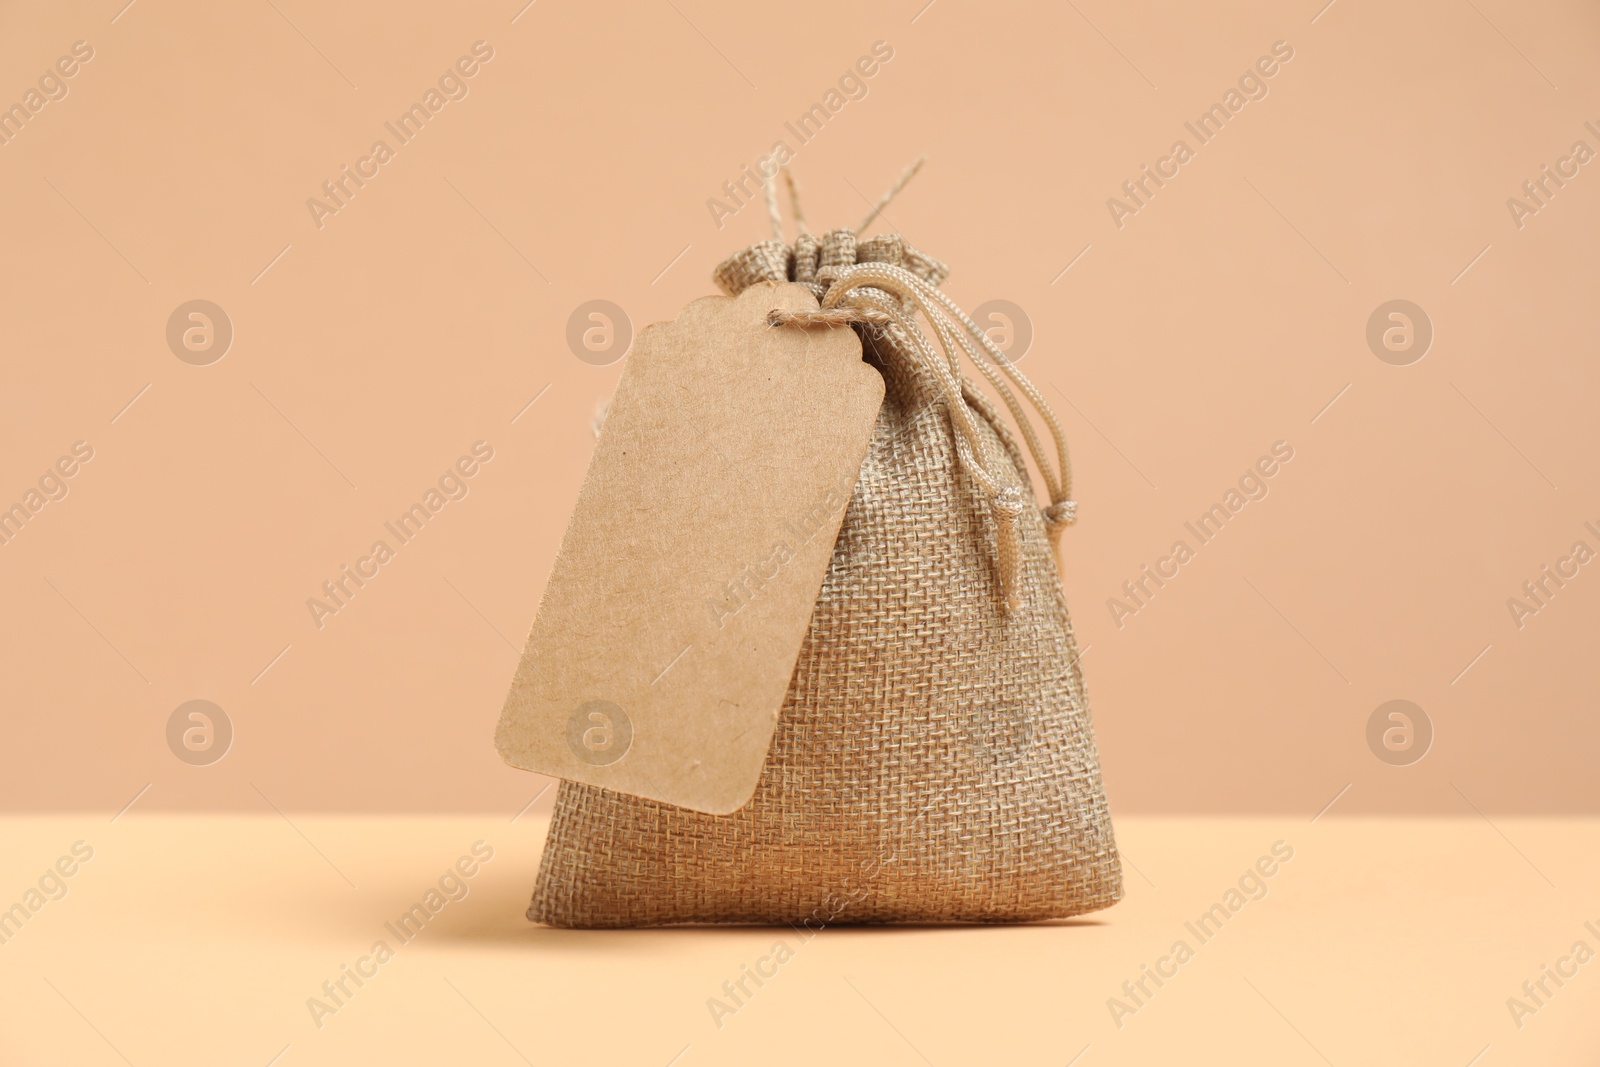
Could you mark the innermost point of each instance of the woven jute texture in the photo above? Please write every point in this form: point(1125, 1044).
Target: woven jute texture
point(933, 761)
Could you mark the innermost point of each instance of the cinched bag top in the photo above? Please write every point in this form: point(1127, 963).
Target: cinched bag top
point(884, 282)
point(815, 262)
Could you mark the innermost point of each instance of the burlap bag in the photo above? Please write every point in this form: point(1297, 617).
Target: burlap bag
point(934, 759)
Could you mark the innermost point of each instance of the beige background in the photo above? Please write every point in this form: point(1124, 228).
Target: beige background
point(1226, 315)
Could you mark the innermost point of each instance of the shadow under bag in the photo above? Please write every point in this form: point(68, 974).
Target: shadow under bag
point(934, 759)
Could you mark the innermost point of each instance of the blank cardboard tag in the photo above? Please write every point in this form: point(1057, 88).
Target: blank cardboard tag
point(684, 586)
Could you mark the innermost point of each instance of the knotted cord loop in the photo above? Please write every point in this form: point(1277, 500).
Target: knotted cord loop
point(883, 294)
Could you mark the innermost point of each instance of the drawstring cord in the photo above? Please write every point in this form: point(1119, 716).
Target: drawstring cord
point(884, 294)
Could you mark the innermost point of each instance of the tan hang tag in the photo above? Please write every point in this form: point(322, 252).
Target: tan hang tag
point(674, 613)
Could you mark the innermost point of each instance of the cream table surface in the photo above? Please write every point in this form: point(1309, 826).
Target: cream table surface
point(209, 940)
